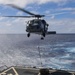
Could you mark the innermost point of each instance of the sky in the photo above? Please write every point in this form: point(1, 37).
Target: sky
point(59, 14)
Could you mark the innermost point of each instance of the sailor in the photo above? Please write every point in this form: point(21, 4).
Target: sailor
point(44, 72)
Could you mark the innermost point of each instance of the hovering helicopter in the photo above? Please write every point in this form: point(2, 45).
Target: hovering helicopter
point(37, 25)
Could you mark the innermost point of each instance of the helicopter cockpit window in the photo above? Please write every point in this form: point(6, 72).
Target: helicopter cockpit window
point(36, 23)
point(31, 22)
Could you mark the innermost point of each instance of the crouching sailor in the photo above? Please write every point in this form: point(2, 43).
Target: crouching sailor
point(44, 72)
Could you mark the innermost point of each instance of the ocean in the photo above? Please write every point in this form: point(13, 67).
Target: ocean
point(55, 51)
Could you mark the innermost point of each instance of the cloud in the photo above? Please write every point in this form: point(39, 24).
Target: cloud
point(59, 12)
point(19, 13)
point(23, 3)
point(62, 25)
point(54, 1)
point(67, 9)
point(13, 25)
point(73, 12)
point(2, 18)
point(53, 15)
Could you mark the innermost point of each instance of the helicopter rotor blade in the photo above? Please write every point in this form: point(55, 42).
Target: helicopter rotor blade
point(18, 16)
point(25, 11)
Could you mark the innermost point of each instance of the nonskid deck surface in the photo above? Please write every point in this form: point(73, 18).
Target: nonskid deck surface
point(18, 70)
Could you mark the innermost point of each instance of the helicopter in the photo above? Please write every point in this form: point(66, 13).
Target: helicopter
point(37, 25)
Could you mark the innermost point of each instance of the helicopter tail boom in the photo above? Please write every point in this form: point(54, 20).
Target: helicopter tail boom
point(51, 32)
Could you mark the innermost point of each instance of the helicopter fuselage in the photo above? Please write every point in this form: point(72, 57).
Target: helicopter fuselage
point(37, 26)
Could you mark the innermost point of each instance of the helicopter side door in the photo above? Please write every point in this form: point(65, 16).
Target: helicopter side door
point(44, 25)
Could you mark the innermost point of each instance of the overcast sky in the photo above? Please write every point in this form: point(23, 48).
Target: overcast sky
point(60, 15)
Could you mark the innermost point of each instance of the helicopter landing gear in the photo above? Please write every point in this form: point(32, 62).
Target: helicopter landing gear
point(43, 34)
point(28, 35)
point(42, 38)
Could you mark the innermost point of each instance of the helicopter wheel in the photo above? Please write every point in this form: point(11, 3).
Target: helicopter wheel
point(42, 38)
point(28, 35)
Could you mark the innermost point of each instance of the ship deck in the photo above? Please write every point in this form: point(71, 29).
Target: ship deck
point(18, 70)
